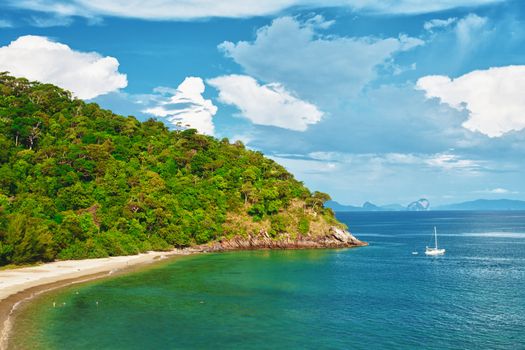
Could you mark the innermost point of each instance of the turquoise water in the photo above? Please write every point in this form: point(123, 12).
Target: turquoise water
point(377, 297)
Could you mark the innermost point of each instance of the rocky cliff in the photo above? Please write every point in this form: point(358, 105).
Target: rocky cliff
point(334, 238)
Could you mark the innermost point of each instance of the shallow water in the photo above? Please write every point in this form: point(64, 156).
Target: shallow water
point(376, 297)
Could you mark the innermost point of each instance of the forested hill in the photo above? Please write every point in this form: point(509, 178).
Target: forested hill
point(77, 181)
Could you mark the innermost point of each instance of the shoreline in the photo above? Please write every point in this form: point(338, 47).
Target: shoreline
point(20, 285)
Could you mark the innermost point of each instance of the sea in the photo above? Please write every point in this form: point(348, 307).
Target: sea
point(377, 297)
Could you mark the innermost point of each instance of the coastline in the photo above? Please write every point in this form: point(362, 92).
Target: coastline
point(333, 239)
point(22, 284)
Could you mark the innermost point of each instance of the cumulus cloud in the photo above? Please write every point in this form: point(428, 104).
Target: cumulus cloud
point(269, 104)
point(185, 10)
point(468, 30)
point(493, 98)
point(315, 66)
point(186, 107)
point(86, 74)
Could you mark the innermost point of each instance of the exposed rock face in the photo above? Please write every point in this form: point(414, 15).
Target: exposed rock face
point(335, 238)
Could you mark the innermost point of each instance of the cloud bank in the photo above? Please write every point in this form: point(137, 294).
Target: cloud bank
point(85, 74)
point(493, 98)
point(315, 66)
point(187, 10)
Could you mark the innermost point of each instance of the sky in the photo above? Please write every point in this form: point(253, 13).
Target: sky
point(367, 100)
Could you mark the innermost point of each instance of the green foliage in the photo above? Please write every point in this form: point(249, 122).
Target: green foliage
point(77, 181)
point(279, 224)
point(27, 239)
point(304, 225)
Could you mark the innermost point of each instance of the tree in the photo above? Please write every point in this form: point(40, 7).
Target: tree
point(317, 200)
point(27, 240)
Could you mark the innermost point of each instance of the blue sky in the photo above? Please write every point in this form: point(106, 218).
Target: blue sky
point(382, 101)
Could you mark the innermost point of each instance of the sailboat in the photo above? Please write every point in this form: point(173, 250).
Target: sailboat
point(434, 250)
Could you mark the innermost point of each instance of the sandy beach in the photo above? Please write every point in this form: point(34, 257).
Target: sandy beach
point(22, 284)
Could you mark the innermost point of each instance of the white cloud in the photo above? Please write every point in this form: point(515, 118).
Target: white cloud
point(315, 66)
point(439, 23)
point(185, 10)
point(87, 75)
point(492, 97)
point(413, 6)
point(319, 22)
point(468, 30)
point(452, 43)
point(157, 9)
point(447, 161)
point(269, 104)
point(53, 21)
point(186, 107)
point(244, 138)
point(497, 190)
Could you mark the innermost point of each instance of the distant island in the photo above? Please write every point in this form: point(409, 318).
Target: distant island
point(485, 204)
point(424, 205)
point(77, 182)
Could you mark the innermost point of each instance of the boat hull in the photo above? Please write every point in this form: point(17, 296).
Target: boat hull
point(435, 251)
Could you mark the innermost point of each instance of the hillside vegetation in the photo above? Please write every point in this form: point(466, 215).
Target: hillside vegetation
point(77, 181)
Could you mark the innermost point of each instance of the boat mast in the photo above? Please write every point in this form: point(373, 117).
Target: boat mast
point(436, 236)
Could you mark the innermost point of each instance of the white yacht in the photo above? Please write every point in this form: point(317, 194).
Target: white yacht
point(434, 250)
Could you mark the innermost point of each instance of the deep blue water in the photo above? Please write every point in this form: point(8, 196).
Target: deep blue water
point(376, 297)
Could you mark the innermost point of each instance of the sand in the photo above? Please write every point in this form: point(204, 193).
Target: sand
point(22, 284)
